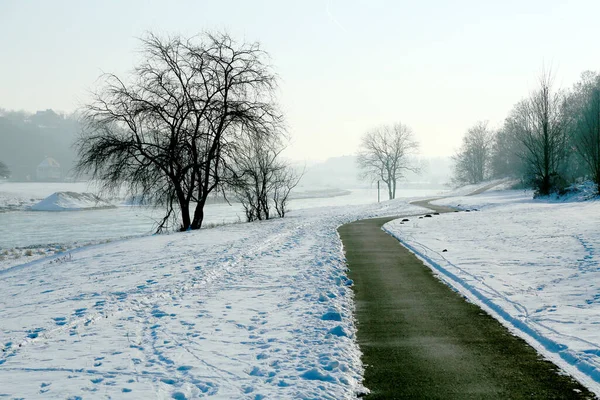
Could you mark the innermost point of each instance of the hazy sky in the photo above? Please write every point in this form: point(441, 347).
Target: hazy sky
point(438, 66)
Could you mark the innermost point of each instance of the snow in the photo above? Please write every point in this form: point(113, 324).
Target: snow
point(20, 227)
point(22, 195)
point(264, 310)
point(260, 310)
point(71, 201)
point(533, 264)
point(465, 190)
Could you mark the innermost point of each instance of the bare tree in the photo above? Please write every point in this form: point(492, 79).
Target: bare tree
point(286, 179)
point(4, 171)
point(168, 135)
point(506, 150)
point(255, 166)
point(385, 154)
point(472, 162)
point(585, 106)
point(261, 180)
point(540, 124)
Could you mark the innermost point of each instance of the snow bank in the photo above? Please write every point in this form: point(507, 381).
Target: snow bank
point(240, 311)
point(465, 190)
point(71, 201)
point(22, 195)
point(577, 192)
point(532, 264)
point(489, 199)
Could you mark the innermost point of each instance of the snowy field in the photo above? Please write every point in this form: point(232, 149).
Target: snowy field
point(22, 228)
point(248, 311)
point(533, 264)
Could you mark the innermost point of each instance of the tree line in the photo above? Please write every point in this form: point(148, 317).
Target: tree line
point(197, 116)
point(549, 140)
point(27, 138)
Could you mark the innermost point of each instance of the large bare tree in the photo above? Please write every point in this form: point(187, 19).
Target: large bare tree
point(585, 106)
point(168, 132)
point(386, 153)
point(472, 162)
point(540, 124)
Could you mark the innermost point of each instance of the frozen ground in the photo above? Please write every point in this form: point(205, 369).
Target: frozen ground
point(21, 228)
point(239, 311)
point(534, 264)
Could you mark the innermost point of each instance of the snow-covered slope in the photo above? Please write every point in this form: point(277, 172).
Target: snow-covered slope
point(71, 201)
point(240, 311)
point(534, 264)
point(23, 195)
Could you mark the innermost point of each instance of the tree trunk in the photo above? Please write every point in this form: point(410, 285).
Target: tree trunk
point(185, 216)
point(545, 188)
point(198, 214)
point(184, 205)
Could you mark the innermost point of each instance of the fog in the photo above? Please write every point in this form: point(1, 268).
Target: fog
point(344, 67)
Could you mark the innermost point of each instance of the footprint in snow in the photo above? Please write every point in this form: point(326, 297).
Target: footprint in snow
point(32, 334)
point(331, 316)
point(79, 312)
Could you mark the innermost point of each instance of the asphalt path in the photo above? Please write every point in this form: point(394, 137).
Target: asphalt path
point(422, 340)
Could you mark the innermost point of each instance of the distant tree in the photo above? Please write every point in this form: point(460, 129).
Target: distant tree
point(4, 171)
point(169, 136)
point(585, 107)
point(261, 180)
point(506, 150)
point(540, 124)
point(386, 154)
point(472, 162)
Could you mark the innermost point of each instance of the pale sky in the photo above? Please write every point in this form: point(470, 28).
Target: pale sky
point(344, 66)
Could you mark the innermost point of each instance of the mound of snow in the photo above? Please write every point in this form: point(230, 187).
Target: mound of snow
point(71, 201)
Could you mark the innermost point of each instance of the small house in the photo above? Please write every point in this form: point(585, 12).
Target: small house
point(48, 170)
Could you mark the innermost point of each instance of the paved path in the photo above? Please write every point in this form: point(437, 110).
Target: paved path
point(422, 340)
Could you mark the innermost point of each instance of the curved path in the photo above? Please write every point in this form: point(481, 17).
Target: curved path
point(420, 339)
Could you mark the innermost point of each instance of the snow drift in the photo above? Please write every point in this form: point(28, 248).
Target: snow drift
point(71, 201)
